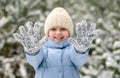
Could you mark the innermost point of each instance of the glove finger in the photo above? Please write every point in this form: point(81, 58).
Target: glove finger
point(97, 32)
point(94, 34)
point(81, 28)
point(83, 25)
point(72, 41)
point(29, 25)
point(36, 30)
point(37, 26)
point(22, 30)
point(43, 40)
point(18, 37)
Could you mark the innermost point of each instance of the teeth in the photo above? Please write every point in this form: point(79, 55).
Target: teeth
point(59, 37)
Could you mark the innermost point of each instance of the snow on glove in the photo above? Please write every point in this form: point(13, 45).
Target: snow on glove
point(30, 38)
point(85, 36)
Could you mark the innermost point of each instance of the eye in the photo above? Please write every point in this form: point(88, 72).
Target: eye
point(62, 29)
point(53, 29)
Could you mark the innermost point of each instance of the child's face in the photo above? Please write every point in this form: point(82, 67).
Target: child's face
point(58, 34)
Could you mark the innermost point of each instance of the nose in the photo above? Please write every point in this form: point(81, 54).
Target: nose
point(58, 31)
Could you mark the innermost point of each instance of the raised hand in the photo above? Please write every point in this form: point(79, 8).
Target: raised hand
point(29, 37)
point(85, 36)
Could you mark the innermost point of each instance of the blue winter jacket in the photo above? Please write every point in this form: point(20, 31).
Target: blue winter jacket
point(57, 60)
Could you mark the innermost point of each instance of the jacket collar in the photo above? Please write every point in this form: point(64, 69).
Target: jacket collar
point(59, 45)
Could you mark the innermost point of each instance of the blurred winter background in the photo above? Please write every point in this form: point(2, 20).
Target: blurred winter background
point(104, 60)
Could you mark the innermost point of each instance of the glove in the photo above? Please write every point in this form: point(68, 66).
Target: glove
point(85, 36)
point(30, 38)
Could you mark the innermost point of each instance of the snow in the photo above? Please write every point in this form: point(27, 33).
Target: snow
point(119, 24)
point(4, 21)
point(116, 44)
point(2, 42)
point(23, 71)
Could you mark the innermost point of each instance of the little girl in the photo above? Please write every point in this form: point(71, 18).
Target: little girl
point(57, 55)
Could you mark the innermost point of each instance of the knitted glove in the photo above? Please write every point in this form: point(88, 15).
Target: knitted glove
point(30, 38)
point(85, 36)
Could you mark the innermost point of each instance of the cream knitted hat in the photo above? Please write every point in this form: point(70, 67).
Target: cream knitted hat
point(58, 17)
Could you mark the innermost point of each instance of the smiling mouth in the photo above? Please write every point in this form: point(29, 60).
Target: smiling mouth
point(59, 38)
